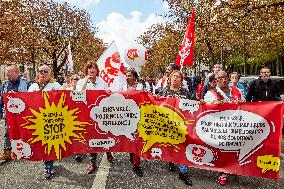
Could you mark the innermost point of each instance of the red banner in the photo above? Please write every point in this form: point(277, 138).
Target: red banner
point(240, 139)
point(185, 55)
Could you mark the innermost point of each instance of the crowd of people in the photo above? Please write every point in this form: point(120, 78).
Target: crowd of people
point(217, 87)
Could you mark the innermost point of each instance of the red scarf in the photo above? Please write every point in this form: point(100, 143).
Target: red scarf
point(236, 94)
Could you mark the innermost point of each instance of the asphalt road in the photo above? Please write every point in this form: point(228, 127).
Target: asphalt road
point(72, 175)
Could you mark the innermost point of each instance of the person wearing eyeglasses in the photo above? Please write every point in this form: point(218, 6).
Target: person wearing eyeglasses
point(92, 81)
point(15, 83)
point(215, 70)
point(73, 82)
point(223, 92)
point(45, 82)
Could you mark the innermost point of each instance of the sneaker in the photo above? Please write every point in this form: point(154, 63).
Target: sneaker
point(185, 179)
point(138, 171)
point(222, 180)
point(48, 174)
point(172, 167)
point(92, 167)
point(78, 157)
point(109, 157)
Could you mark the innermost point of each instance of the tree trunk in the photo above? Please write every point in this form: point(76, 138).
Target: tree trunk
point(54, 64)
point(210, 54)
point(33, 72)
point(277, 64)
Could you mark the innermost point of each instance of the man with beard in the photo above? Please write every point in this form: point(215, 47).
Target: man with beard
point(263, 88)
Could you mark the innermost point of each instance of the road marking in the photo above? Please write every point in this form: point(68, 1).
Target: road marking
point(102, 174)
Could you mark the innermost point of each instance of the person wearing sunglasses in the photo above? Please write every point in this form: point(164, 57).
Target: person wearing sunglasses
point(72, 87)
point(92, 81)
point(73, 82)
point(45, 82)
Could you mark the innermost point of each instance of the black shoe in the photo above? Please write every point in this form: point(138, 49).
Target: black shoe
point(172, 167)
point(109, 157)
point(185, 179)
point(131, 158)
point(78, 157)
point(92, 167)
point(48, 174)
point(138, 171)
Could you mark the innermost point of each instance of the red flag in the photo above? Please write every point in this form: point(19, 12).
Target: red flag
point(185, 55)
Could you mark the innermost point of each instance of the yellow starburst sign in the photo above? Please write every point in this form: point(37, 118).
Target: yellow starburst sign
point(54, 125)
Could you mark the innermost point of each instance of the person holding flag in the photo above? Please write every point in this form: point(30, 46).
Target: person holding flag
point(185, 55)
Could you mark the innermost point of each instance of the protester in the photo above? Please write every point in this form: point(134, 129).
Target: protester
point(222, 93)
point(234, 81)
point(211, 85)
point(188, 82)
point(263, 88)
point(73, 86)
point(15, 83)
point(45, 83)
point(199, 89)
point(73, 82)
point(175, 89)
point(133, 84)
point(216, 69)
point(163, 82)
point(92, 81)
point(81, 75)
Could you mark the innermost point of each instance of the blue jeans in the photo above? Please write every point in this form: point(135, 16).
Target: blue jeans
point(48, 165)
point(93, 157)
point(7, 142)
point(182, 169)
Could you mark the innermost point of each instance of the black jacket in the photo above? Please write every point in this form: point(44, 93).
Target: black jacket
point(263, 91)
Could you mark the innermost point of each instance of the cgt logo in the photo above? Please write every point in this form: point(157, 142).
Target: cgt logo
point(112, 67)
point(132, 54)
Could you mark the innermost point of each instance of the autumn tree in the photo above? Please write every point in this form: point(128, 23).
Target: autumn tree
point(43, 31)
point(242, 35)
